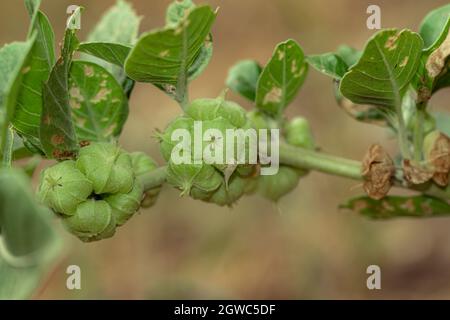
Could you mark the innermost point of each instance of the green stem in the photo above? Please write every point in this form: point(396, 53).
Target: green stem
point(153, 178)
point(418, 131)
point(313, 160)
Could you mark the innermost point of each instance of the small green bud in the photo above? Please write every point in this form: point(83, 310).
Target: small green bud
point(275, 186)
point(91, 219)
point(62, 187)
point(125, 205)
point(298, 133)
point(108, 167)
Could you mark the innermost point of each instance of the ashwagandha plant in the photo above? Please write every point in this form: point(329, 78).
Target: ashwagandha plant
point(53, 106)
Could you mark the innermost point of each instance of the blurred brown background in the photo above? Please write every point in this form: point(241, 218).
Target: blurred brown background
point(302, 247)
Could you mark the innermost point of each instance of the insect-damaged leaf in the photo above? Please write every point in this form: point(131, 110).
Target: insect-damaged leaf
point(99, 106)
point(243, 78)
point(166, 57)
point(29, 102)
point(396, 206)
point(28, 239)
point(386, 68)
point(57, 130)
point(281, 78)
point(13, 59)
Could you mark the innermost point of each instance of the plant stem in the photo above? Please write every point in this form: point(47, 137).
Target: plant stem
point(153, 178)
point(313, 160)
point(418, 131)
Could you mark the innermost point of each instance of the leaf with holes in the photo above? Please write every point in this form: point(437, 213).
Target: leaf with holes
point(385, 70)
point(396, 206)
point(281, 78)
point(57, 131)
point(29, 102)
point(165, 57)
point(243, 78)
point(329, 64)
point(99, 106)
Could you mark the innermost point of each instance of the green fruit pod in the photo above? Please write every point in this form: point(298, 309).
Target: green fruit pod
point(63, 187)
point(210, 109)
point(91, 221)
point(108, 167)
point(124, 206)
point(229, 193)
point(276, 186)
point(298, 133)
point(187, 177)
point(166, 141)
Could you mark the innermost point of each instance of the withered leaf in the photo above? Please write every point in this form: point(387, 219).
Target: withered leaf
point(377, 170)
point(438, 156)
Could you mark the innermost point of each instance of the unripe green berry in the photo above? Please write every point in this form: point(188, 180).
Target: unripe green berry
point(62, 187)
point(275, 186)
point(226, 194)
point(298, 133)
point(108, 167)
point(166, 143)
point(91, 219)
point(125, 205)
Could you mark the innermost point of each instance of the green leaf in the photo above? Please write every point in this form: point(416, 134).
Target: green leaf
point(29, 102)
point(329, 64)
point(119, 25)
point(348, 54)
point(396, 206)
point(99, 106)
point(57, 130)
point(281, 78)
point(13, 59)
point(114, 53)
point(432, 26)
point(28, 241)
point(386, 68)
point(165, 57)
point(243, 78)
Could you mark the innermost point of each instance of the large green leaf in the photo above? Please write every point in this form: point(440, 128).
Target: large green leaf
point(28, 241)
point(114, 53)
point(396, 206)
point(57, 130)
point(433, 24)
point(99, 106)
point(29, 102)
point(386, 68)
point(329, 64)
point(243, 78)
point(119, 25)
point(165, 57)
point(281, 78)
point(13, 59)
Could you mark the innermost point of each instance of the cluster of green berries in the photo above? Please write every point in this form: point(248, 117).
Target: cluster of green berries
point(98, 191)
point(219, 183)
